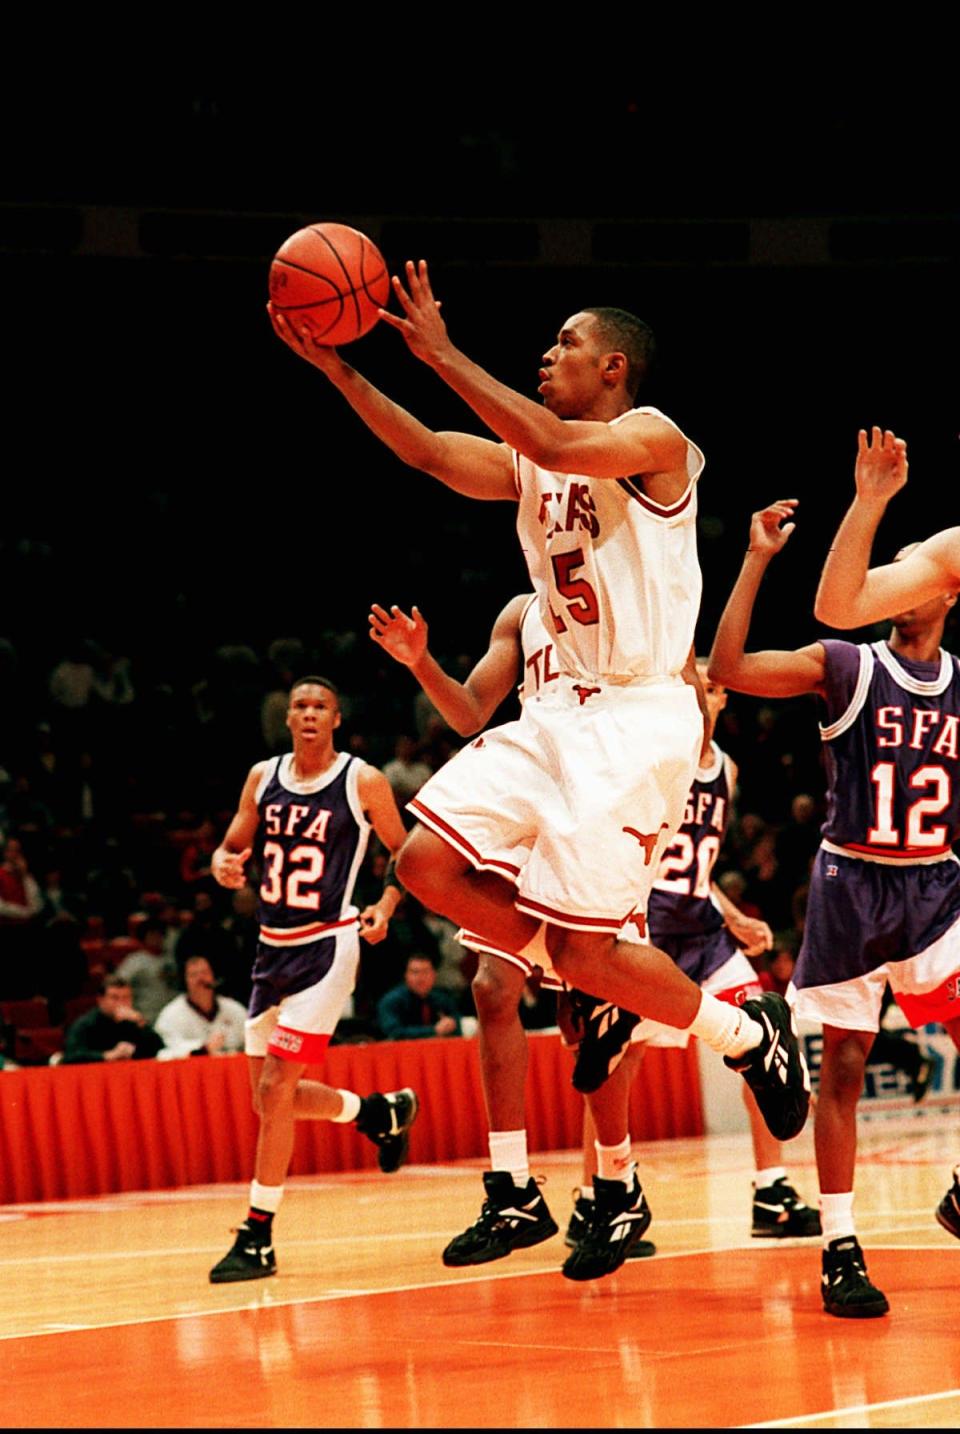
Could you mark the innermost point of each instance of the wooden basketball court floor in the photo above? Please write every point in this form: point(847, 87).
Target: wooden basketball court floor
point(108, 1319)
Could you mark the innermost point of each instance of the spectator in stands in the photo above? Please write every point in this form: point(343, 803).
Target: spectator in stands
point(200, 1022)
point(779, 965)
point(406, 773)
point(149, 972)
point(113, 1030)
point(196, 857)
point(204, 936)
point(236, 962)
point(20, 907)
point(415, 1009)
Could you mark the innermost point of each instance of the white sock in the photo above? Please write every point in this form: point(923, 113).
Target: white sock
point(586, 1192)
point(836, 1215)
point(613, 1161)
point(350, 1109)
point(763, 1178)
point(508, 1151)
point(726, 1029)
point(265, 1197)
point(535, 950)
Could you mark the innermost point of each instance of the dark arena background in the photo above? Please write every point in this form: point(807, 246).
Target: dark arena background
point(180, 493)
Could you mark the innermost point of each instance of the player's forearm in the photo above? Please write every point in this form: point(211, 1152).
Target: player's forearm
point(728, 661)
point(456, 705)
point(843, 596)
point(408, 438)
point(528, 427)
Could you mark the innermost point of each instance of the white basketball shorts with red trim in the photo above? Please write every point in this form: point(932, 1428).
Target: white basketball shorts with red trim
point(577, 800)
point(300, 1026)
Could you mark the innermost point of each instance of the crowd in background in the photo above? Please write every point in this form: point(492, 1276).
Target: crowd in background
point(117, 781)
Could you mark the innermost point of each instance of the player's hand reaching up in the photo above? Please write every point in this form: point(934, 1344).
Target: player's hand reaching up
point(405, 638)
point(766, 534)
point(299, 336)
point(422, 327)
point(881, 468)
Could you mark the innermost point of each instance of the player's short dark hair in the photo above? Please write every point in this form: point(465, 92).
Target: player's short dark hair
point(311, 681)
point(631, 337)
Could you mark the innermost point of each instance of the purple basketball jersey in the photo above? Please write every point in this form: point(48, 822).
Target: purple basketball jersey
point(892, 749)
point(680, 903)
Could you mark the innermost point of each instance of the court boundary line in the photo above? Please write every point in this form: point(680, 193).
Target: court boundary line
point(788, 1422)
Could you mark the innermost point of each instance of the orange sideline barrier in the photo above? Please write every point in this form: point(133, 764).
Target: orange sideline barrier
point(69, 1131)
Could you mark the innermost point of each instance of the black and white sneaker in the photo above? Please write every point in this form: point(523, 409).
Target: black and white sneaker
point(248, 1259)
point(612, 1229)
point(779, 1213)
point(512, 1218)
point(948, 1211)
point(601, 1033)
point(846, 1290)
point(775, 1070)
point(386, 1120)
point(582, 1213)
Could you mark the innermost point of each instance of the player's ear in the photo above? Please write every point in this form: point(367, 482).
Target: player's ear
point(614, 367)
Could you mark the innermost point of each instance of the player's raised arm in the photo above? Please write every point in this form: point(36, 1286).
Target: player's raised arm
point(231, 856)
point(465, 706)
point(571, 432)
point(476, 467)
point(768, 673)
point(849, 594)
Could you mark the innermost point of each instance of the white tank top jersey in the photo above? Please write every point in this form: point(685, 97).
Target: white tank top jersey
point(539, 653)
point(616, 574)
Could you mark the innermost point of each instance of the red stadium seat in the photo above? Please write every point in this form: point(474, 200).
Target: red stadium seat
point(120, 946)
point(25, 1014)
point(35, 1046)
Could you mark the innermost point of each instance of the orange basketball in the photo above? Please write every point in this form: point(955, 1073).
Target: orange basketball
point(332, 276)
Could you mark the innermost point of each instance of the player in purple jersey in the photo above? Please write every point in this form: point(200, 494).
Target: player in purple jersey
point(884, 901)
point(851, 596)
point(310, 814)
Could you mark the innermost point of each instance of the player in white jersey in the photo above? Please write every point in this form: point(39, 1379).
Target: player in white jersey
point(851, 596)
point(545, 837)
point(522, 651)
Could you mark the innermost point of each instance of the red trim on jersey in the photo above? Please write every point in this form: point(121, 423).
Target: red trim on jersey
point(898, 853)
point(290, 1045)
point(276, 936)
point(459, 843)
point(569, 919)
point(630, 487)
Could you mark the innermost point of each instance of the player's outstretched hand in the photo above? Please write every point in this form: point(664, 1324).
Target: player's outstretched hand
point(766, 534)
point(227, 867)
point(881, 468)
point(299, 337)
point(405, 638)
point(422, 327)
point(373, 925)
point(753, 935)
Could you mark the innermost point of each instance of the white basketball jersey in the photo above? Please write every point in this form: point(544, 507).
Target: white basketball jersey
point(616, 574)
point(539, 653)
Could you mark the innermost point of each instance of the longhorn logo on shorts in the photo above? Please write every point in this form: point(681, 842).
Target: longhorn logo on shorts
point(584, 692)
point(647, 840)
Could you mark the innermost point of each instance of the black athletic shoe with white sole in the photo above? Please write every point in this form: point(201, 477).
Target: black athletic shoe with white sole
point(386, 1120)
point(601, 1032)
point(512, 1218)
point(616, 1223)
point(948, 1211)
point(582, 1213)
point(846, 1290)
point(249, 1259)
point(775, 1070)
point(780, 1214)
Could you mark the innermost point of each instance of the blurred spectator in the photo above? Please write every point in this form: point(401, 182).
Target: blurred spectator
point(415, 1009)
point(149, 972)
point(779, 963)
point(200, 1022)
point(798, 841)
point(20, 907)
point(112, 888)
point(112, 1031)
point(406, 773)
point(243, 929)
point(287, 660)
point(203, 935)
point(734, 885)
point(197, 855)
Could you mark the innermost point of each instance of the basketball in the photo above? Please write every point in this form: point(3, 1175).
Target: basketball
point(332, 276)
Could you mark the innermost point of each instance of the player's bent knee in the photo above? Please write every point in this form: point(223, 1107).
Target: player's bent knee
point(496, 989)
